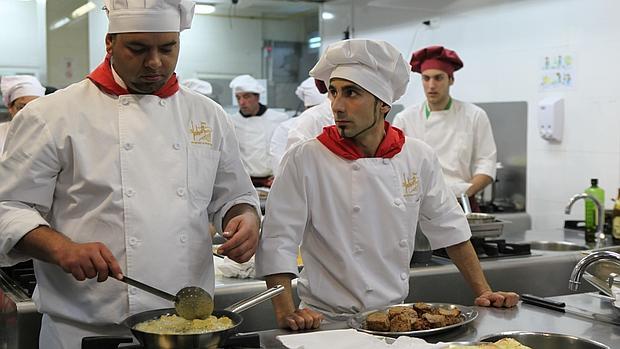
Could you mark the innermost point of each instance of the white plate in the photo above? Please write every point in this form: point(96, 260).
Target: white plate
point(468, 315)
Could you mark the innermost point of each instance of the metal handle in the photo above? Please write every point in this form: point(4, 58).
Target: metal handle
point(544, 303)
point(149, 289)
point(465, 202)
point(255, 300)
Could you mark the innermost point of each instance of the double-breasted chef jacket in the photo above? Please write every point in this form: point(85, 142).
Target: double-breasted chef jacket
point(355, 221)
point(461, 136)
point(142, 174)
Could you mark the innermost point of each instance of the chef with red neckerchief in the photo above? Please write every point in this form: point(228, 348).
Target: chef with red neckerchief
point(352, 197)
point(121, 173)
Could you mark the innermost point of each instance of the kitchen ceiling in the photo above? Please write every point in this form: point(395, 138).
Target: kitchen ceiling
point(262, 8)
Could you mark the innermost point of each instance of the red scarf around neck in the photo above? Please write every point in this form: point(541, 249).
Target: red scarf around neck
point(391, 144)
point(104, 79)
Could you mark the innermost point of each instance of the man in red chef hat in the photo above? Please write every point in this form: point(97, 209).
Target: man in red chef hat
point(459, 132)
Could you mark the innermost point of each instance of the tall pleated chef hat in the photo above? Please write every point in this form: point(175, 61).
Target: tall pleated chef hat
point(309, 93)
point(374, 65)
point(15, 86)
point(138, 16)
point(197, 85)
point(436, 57)
point(246, 83)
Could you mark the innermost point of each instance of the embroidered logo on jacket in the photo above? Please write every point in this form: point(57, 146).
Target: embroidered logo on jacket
point(410, 184)
point(201, 133)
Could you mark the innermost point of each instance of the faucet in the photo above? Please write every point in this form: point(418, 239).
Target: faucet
point(580, 268)
point(600, 236)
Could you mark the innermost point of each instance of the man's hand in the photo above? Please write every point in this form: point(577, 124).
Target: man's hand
point(82, 260)
point(497, 299)
point(88, 260)
point(301, 319)
point(241, 230)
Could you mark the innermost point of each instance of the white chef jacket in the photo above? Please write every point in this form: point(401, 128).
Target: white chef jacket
point(355, 222)
point(254, 135)
point(461, 136)
point(139, 173)
point(4, 130)
point(277, 146)
point(310, 123)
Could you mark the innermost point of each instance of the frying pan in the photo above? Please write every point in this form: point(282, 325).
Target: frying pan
point(474, 218)
point(195, 341)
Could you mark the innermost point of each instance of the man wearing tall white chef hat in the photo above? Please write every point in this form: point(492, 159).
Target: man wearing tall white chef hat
point(120, 173)
point(254, 126)
point(17, 91)
point(352, 198)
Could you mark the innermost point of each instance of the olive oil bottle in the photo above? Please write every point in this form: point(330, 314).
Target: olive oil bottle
point(592, 210)
point(615, 220)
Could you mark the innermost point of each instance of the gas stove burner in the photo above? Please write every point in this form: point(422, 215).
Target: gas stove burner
point(240, 340)
point(494, 248)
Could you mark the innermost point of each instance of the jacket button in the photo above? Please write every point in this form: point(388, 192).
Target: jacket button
point(162, 102)
point(132, 291)
point(176, 146)
point(386, 161)
point(356, 208)
point(130, 192)
point(398, 202)
point(128, 146)
point(183, 238)
point(403, 243)
point(124, 101)
point(181, 192)
point(356, 167)
point(404, 276)
point(133, 241)
point(368, 289)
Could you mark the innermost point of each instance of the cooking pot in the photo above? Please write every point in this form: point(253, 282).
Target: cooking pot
point(195, 341)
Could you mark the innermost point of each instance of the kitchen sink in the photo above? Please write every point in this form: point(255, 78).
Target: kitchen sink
point(547, 340)
point(556, 246)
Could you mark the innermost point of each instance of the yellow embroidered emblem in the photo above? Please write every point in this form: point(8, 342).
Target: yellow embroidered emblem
point(410, 184)
point(201, 134)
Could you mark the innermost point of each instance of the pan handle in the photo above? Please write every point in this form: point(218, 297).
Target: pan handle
point(255, 300)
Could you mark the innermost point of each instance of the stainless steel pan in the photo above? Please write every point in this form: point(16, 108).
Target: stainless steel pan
point(195, 341)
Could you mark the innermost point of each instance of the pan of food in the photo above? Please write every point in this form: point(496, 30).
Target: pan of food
point(164, 329)
point(413, 319)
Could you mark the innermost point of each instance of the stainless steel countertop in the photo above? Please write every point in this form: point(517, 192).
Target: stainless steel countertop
point(524, 317)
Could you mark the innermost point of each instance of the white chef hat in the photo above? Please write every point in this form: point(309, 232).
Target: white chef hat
point(374, 65)
point(15, 86)
point(246, 83)
point(137, 16)
point(309, 93)
point(197, 85)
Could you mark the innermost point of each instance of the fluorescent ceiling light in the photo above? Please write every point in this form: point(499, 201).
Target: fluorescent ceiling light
point(327, 15)
point(202, 9)
point(82, 10)
point(59, 23)
point(314, 40)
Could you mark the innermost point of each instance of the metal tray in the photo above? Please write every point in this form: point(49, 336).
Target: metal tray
point(487, 230)
point(468, 315)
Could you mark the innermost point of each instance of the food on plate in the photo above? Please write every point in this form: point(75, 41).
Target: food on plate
point(420, 316)
point(504, 343)
point(378, 321)
point(173, 324)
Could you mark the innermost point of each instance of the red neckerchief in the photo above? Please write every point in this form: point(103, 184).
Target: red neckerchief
point(103, 78)
point(391, 144)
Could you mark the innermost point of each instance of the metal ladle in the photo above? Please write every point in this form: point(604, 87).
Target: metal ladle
point(190, 302)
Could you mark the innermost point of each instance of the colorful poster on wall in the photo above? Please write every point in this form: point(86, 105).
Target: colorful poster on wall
point(557, 71)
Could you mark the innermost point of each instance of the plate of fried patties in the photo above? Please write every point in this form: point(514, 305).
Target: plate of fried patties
point(413, 319)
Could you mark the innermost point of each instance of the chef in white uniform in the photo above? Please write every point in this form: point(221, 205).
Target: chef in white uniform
point(309, 94)
point(459, 132)
point(120, 173)
point(254, 126)
point(17, 91)
point(351, 198)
